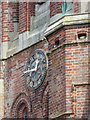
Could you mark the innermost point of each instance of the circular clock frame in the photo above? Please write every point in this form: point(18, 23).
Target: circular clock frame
point(36, 69)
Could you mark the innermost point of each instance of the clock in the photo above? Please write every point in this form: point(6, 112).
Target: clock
point(36, 69)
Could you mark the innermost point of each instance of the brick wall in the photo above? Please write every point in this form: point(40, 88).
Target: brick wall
point(0, 27)
point(1, 70)
point(66, 87)
point(14, 12)
point(57, 96)
point(23, 16)
point(14, 81)
point(13, 8)
point(10, 17)
point(55, 8)
point(76, 6)
point(77, 67)
point(5, 29)
point(82, 100)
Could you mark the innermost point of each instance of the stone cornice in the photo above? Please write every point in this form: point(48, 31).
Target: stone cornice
point(25, 39)
point(74, 19)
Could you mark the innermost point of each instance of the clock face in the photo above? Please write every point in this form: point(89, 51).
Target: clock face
point(36, 69)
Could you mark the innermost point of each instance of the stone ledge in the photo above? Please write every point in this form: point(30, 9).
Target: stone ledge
point(59, 115)
point(24, 40)
point(68, 20)
point(81, 84)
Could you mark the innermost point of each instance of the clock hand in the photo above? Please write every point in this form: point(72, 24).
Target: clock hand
point(37, 61)
point(34, 69)
point(28, 71)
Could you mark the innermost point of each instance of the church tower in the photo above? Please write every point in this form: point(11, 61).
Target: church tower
point(44, 66)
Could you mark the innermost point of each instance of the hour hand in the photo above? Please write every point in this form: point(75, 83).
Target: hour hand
point(28, 71)
point(34, 69)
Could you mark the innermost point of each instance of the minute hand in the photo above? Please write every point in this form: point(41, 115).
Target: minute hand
point(36, 64)
point(34, 69)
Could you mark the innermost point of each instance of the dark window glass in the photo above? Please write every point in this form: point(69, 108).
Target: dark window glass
point(25, 114)
point(82, 36)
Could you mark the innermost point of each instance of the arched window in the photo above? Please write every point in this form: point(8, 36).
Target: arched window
point(25, 114)
point(23, 111)
point(21, 107)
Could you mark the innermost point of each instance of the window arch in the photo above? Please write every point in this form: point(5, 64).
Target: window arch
point(20, 105)
point(25, 114)
point(22, 111)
